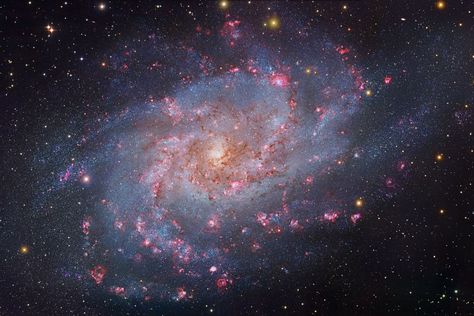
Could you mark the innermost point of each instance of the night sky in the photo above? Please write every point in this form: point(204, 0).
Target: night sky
point(237, 158)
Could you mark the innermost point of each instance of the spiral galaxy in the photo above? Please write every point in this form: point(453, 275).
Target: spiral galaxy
point(227, 161)
point(245, 151)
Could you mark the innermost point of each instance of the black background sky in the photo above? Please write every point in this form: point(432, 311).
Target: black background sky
point(412, 256)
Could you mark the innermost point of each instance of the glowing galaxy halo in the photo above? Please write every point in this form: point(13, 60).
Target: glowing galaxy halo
point(196, 189)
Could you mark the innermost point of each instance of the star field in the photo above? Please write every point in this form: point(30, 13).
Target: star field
point(237, 158)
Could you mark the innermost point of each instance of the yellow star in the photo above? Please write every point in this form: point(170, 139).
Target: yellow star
point(273, 23)
point(24, 249)
point(224, 4)
point(440, 5)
